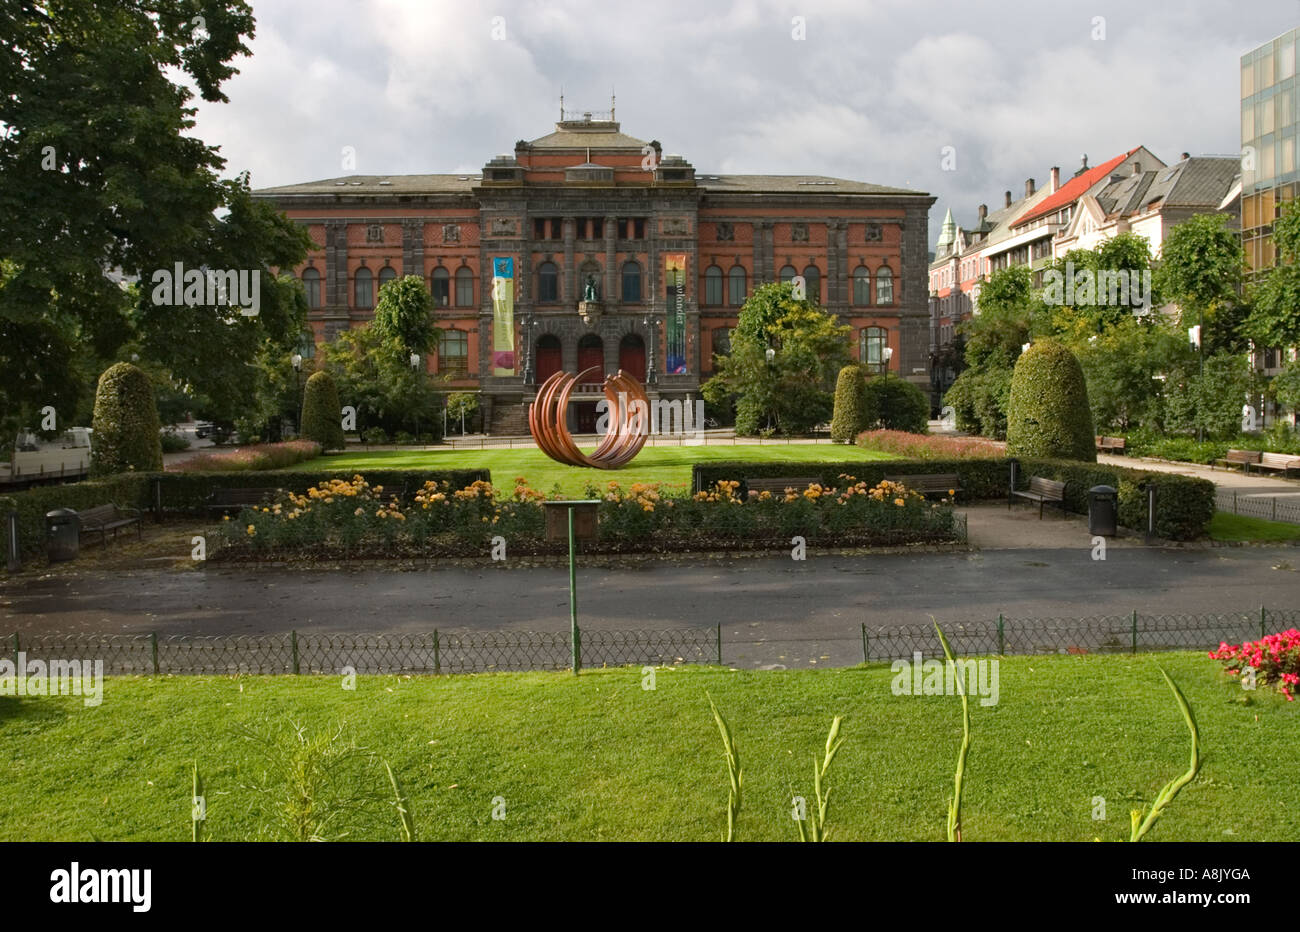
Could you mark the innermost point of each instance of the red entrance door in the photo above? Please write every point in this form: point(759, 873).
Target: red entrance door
point(548, 357)
point(631, 357)
point(591, 352)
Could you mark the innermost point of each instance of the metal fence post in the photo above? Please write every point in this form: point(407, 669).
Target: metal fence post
point(1002, 641)
point(719, 643)
point(293, 641)
point(573, 601)
point(1263, 622)
point(1135, 631)
point(437, 661)
point(866, 654)
point(17, 665)
point(15, 548)
point(153, 650)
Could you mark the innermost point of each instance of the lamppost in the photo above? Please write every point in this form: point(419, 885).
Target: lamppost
point(296, 360)
point(770, 355)
point(415, 367)
point(887, 354)
point(1194, 334)
point(650, 325)
point(531, 323)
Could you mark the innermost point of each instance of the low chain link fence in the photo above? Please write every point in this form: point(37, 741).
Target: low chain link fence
point(501, 651)
point(1258, 505)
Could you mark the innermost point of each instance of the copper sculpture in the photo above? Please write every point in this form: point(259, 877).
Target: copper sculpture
point(628, 411)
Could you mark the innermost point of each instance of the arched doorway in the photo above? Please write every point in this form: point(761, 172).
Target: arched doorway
point(631, 356)
point(591, 353)
point(549, 357)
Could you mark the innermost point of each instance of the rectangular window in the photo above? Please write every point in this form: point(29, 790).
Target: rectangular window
point(638, 229)
point(598, 228)
point(1247, 81)
point(453, 354)
point(539, 228)
point(581, 224)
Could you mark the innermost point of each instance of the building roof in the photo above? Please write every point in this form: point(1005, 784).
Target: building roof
point(1200, 182)
point(1073, 189)
point(580, 134)
point(381, 184)
point(792, 184)
point(947, 233)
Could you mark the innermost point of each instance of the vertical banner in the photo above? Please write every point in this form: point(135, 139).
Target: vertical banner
point(675, 363)
point(503, 316)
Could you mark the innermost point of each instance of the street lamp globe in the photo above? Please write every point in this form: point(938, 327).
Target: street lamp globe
point(771, 354)
point(296, 359)
point(415, 360)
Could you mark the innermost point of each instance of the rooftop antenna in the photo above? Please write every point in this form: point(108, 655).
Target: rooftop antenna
point(561, 103)
point(611, 103)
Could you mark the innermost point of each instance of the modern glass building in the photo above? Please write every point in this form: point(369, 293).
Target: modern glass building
point(1270, 114)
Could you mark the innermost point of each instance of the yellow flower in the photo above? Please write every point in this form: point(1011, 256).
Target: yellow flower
point(252, 531)
point(952, 491)
point(225, 517)
point(358, 511)
point(899, 502)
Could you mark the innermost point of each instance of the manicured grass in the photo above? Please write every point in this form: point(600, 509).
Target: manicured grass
point(670, 465)
point(599, 757)
point(1230, 527)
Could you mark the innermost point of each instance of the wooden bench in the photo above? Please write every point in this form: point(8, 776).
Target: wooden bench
point(1277, 462)
point(778, 485)
point(1242, 458)
point(929, 484)
point(1042, 491)
point(104, 518)
point(227, 500)
point(1111, 444)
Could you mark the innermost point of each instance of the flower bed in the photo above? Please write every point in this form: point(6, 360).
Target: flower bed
point(1275, 660)
point(926, 446)
point(351, 518)
point(259, 456)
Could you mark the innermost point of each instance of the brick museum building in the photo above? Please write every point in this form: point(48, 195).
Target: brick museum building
point(589, 248)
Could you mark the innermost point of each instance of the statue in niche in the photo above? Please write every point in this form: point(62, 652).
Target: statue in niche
point(589, 308)
point(589, 295)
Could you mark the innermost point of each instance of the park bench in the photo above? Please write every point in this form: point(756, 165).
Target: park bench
point(1278, 462)
point(1042, 491)
point(1242, 458)
point(930, 483)
point(1110, 444)
point(227, 500)
point(104, 518)
point(778, 485)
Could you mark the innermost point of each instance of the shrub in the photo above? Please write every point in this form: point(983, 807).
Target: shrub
point(173, 442)
point(1275, 659)
point(125, 423)
point(321, 413)
point(375, 436)
point(896, 404)
point(1048, 414)
point(850, 398)
point(979, 401)
point(258, 456)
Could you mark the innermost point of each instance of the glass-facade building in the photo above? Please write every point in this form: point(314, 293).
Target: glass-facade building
point(1270, 114)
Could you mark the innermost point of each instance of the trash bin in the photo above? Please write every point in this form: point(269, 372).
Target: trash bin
point(62, 534)
point(1103, 510)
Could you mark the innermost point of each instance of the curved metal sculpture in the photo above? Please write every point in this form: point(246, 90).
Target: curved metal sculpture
point(629, 424)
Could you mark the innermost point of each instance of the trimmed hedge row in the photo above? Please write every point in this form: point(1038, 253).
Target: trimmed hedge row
point(189, 492)
point(1184, 505)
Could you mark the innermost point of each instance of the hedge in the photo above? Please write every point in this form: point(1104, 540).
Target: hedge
point(189, 492)
point(1184, 505)
point(1048, 413)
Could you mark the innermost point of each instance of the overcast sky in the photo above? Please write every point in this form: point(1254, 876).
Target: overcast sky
point(874, 92)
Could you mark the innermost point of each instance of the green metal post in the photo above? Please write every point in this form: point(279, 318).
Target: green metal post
point(1135, 631)
point(719, 643)
point(16, 650)
point(1002, 641)
point(866, 653)
point(437, 660)
point(293, 641)
point(1263, 622)
point(153, 650)
point(573, 601)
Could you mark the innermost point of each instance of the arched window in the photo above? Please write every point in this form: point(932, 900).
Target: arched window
point(363, 289)
point(548, 283)
point(386, 275)
point(440, 286)
point(631, 281)
point(311, 285)
point(737, 286)
point(464, 287)
point(884, 285)
point(788, 273)
point(862, 286)
point(453, 354)
point(872, 350)
point(713, 285)
point(813, 279)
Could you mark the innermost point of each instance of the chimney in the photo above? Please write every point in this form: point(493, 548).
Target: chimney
point(1008, 197)
point(1137, 168)
point(1029, 187)
point(1056, 178)
point(984, 212)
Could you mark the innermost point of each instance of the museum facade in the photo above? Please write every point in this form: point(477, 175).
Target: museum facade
point(588, 249)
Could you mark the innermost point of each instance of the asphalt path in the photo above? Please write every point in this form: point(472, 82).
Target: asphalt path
point(773, 611)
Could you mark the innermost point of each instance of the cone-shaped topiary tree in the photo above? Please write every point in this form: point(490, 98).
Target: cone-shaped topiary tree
point(848, 421)
point(321, 414)
point(1048, 413)
point(126, 429)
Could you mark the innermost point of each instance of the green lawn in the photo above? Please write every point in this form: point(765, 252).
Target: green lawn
point(1230, 527)
point(670, 465)
point(598, 757)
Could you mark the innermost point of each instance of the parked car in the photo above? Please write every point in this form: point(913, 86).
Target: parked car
point(202, 429)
